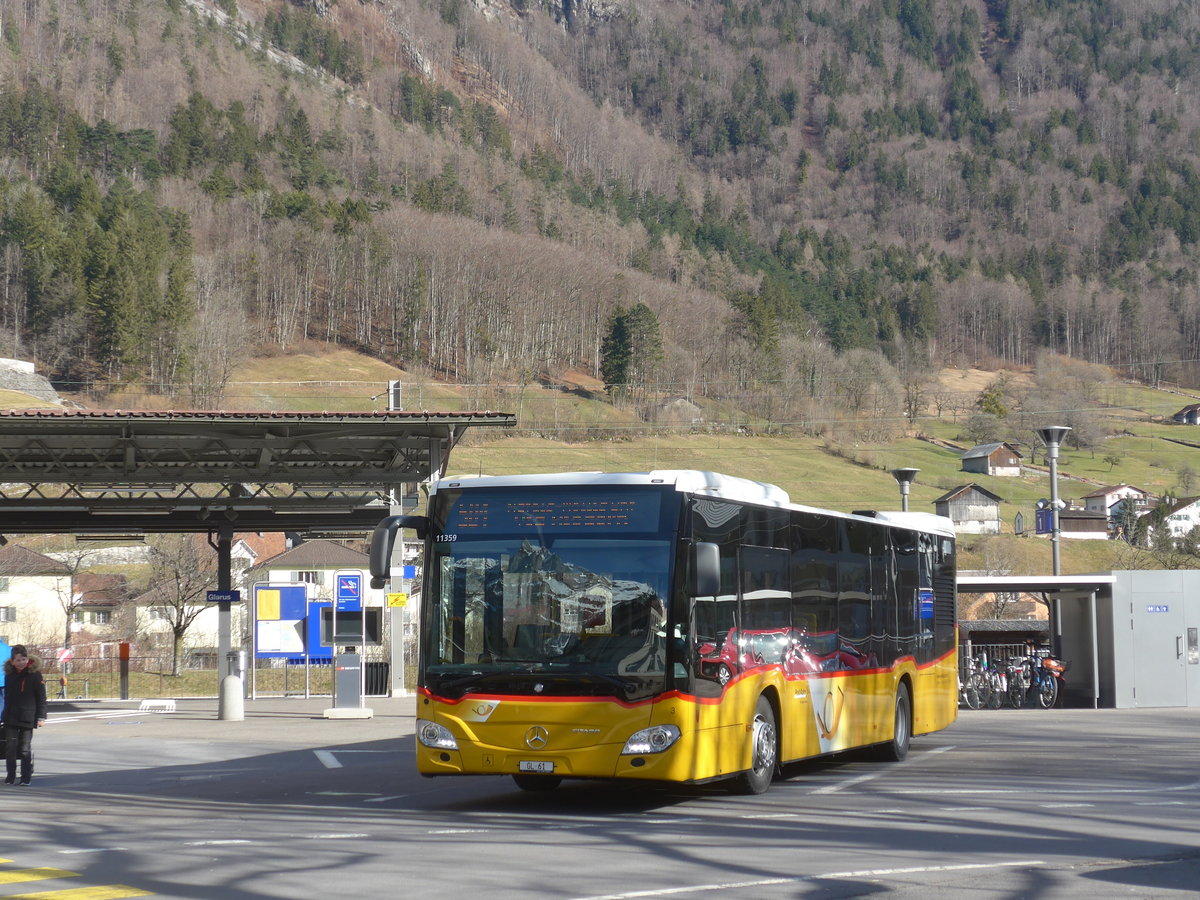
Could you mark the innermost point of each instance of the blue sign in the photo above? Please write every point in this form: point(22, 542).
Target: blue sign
point(1044, 521)
point(284, 627)
point(926, 603)
point(349, 586)
point(1158, 609)
point(224, 597)
point(409, 572)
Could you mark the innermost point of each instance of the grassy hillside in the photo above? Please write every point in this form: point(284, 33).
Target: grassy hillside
point(588, 433)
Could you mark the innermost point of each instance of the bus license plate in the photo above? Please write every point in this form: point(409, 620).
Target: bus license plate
point(541, 766)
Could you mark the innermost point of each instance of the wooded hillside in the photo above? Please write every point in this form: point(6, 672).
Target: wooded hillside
point(787, 206)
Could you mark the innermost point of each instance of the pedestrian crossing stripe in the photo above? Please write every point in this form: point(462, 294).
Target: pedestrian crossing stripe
point(16, 876)
point(91, 892)
point(95, 892)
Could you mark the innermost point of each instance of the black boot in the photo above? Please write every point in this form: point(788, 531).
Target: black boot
point(26, 769)
point(12, 771)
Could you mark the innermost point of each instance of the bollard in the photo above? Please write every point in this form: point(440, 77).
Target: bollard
point(231, 705)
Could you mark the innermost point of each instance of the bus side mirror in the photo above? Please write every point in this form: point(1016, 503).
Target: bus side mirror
point(706, 570)
point(383, 539)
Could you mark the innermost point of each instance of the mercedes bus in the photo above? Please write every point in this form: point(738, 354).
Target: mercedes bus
point(678, 626)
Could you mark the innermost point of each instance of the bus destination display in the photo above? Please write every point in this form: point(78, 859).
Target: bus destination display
point(507, 512)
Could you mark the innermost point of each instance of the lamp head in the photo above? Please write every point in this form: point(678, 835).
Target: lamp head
point(1052, 435)
point(904, 476)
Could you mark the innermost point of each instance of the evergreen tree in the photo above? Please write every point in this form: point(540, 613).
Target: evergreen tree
point(632, 350)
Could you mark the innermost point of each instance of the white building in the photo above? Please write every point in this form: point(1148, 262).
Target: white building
point(35, 593)
point(1182, 516)
point(1104, 499)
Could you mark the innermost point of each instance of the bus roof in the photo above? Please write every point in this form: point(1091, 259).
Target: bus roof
point(690, 481)
point(694, 481)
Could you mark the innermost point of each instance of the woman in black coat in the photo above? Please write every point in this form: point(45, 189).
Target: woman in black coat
point(24, 710)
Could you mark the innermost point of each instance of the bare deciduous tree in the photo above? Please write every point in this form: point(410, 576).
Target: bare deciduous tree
point(181, 573)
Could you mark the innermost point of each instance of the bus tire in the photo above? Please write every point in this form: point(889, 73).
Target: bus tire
point(537, 782)
point(896, 749)
point(764, 751)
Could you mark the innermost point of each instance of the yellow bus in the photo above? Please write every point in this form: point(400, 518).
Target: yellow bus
point(677, 626)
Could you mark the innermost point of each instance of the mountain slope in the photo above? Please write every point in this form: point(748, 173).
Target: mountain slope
point(478, 189)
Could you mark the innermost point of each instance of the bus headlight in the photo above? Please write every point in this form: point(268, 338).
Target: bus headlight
point(654, 739)
point(431, 734)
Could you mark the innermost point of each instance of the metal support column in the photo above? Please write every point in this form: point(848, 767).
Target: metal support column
point(1095, 651)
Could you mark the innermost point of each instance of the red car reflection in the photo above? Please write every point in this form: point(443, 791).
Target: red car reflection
point(800, 653)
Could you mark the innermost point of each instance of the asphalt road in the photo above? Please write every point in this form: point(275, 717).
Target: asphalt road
point(289, 804)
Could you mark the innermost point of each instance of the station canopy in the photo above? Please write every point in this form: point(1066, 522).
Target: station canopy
point(114, 472)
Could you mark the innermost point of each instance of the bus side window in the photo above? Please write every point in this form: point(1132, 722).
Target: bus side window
point(766, 605)
point(907, 587)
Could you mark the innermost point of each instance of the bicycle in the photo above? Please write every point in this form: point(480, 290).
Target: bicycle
point(975, 687)
point(1030, 681)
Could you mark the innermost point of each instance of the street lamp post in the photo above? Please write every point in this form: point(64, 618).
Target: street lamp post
point(904, 477)
point(1052, 436)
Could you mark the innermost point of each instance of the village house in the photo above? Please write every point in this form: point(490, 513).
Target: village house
point(1083, 524)
point(35, 593)
point(972, 509)
point(96, 606)
point(1189, 415)
point(1181, 516)
point(1105, 498)
point(1001, 459)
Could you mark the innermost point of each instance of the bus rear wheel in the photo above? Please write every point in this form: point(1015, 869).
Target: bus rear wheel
point(537, 782)
point(764, 751)
point(896, 749)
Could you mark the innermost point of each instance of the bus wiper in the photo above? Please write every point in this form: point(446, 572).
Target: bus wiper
point(527, 667)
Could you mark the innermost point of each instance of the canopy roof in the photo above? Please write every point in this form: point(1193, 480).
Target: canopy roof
point(84, 471)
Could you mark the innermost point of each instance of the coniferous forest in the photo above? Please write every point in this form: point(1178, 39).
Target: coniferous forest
point(781, 204)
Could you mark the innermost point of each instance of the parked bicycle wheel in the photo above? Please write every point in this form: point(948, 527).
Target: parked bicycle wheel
point(1047, 691)
point(996, 695)
point(1017, 687)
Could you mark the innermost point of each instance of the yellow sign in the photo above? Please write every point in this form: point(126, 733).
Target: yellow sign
point(268, 604)
point(397, 599)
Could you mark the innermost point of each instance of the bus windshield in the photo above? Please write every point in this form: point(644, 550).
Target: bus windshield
point(545, 592)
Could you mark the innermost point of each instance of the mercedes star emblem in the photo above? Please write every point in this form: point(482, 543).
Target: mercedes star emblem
point(537, 737)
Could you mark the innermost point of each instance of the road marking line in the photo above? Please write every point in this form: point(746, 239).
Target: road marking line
point(96, 892)
point(862, 873)
point(1041, 789)
point(328, 760)
point(850, 782)
point(217, 843)
point(1159, 803)
point(60, 720)
point(871, 776)
point(1067, 805)
point(42, 873)
point(385, 799)
point(94, 850)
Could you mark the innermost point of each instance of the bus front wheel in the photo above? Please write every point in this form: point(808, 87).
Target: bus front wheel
point(764, 750)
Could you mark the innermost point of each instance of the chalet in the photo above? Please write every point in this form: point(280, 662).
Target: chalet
point(1104, 499)
point(1189, 415)
point(1000, 458)
point(972, 509)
